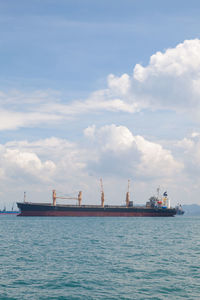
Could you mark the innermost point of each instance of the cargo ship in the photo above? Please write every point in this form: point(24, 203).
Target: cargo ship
point(155, 207)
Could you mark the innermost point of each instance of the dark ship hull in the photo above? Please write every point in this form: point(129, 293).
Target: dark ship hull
point(45, 210)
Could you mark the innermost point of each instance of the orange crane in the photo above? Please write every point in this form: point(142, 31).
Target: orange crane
point(79, 198)
point(102, 193)
point(128, 195)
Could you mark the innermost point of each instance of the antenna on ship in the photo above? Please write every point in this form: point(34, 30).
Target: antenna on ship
point(102, 193)
point(128, 195)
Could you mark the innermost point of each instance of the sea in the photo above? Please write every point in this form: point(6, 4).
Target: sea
point(99, 258)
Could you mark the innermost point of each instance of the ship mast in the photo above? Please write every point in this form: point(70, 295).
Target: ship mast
point(102, 193)
point(24, 197)
point(128, 195)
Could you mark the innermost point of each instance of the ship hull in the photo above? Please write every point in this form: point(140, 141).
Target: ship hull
point(48, 210)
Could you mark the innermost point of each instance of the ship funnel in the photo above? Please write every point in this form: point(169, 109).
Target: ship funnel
point(79, 198)
point(54, 197)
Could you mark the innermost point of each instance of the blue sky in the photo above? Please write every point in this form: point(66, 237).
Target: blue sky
point(73, 45)
point(80, 73)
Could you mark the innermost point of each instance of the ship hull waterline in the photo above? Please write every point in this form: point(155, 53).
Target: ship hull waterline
point(31, 210)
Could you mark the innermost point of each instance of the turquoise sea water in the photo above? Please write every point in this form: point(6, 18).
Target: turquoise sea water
point(99, 258)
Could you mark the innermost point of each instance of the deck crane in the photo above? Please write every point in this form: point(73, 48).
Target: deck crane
point(128, 195)
point(102, 193)
point(79, 198)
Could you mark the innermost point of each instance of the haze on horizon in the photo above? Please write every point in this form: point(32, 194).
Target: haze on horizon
point(92, 90)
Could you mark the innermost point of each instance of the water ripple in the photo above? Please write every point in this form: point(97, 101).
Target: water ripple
point(95, 258)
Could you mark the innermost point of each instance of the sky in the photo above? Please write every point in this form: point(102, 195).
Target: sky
point(99, 89)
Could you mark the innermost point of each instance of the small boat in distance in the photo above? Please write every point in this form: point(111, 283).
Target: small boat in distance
point(155, 207)
point(9, 212)
point(4, 211)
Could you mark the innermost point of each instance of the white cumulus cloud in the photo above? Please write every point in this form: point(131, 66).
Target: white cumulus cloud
point(170, 81)
point(184, 59)
point(119, 150)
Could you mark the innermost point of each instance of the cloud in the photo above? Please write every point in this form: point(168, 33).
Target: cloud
point(190, 148)
point(175, 62)
point(110, 149)
point(171, 81)
point(42, 165)
point(111, 152)
point(12, 120)
point(116, 153)
point(43, 159)
point(26, 166)
point(44, 107)
point(19, 109)
point(120, 85)
point(120, 152)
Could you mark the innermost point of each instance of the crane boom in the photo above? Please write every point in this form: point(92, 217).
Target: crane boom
point(79, 198)
point(128, 195)
point(102, 193)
